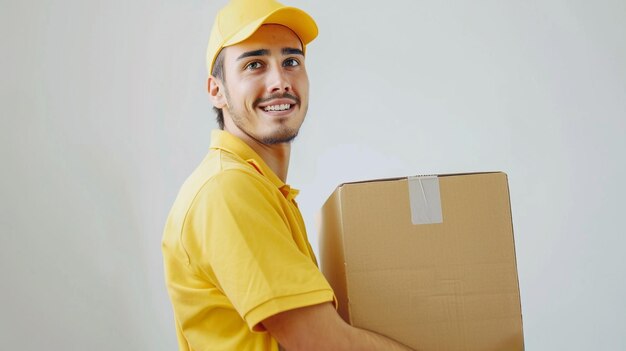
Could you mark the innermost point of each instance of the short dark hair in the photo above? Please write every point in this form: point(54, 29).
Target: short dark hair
point(218, 72)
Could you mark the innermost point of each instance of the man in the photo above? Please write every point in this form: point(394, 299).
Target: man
point(239, 268)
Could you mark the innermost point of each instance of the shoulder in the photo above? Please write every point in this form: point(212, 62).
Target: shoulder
point(221, 178)
point(221, 174)
point(235, 182)
point(237, 193)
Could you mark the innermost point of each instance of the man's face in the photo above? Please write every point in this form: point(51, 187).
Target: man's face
point(266, 85)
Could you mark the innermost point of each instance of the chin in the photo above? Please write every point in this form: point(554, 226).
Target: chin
point(283, 136)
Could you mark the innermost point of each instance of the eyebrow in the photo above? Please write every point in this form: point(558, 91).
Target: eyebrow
point(265, 52)
point(292, 51)
point(262, 52)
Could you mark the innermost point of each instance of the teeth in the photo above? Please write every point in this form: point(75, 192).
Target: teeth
point(281, 107)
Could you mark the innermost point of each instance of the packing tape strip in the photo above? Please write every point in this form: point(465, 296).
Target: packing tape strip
point(425, 200)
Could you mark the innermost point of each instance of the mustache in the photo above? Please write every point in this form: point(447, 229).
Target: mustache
point(276, 96)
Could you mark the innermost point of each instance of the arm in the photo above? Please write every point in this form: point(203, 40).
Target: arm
point(319, 327)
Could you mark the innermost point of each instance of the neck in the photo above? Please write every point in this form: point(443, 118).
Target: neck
point(276, 156)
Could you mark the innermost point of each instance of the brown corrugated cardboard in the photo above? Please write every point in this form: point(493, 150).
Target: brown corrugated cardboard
point(428, 261)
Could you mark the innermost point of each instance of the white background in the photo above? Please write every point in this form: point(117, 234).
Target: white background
point(104, 114)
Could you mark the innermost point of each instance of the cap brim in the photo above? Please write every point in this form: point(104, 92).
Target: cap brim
point(295, 19)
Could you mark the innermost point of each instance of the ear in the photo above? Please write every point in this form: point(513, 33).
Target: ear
point(216, 92)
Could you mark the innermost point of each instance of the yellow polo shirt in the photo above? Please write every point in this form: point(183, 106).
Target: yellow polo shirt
point(235, 252)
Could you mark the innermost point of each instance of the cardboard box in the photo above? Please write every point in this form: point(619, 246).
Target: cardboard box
point(428, 260)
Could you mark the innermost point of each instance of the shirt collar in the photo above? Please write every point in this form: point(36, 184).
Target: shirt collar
point(223, 140)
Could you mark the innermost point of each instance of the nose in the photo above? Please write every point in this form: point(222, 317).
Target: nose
point(277, 81)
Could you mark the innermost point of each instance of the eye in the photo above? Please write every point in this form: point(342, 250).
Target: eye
point(253, 65)
point(291, 62)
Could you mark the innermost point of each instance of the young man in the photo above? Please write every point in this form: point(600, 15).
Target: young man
point(239, 268)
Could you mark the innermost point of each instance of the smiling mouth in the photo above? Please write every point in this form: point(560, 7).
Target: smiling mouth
point(278, 104)
point(279, 107)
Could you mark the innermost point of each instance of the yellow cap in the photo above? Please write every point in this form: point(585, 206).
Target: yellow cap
point(241, 18)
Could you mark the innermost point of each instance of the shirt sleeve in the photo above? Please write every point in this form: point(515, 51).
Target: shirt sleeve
point(243, 240)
